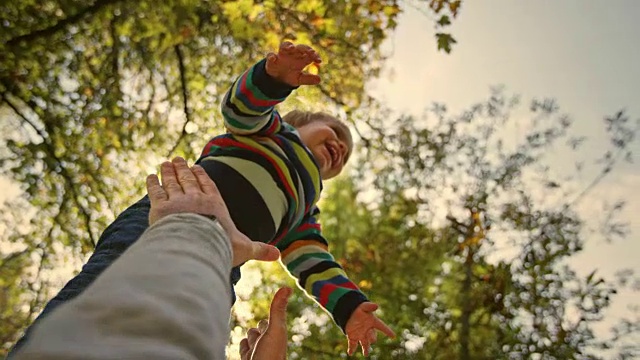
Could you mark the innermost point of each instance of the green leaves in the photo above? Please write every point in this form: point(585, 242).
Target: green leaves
point(446, 10)
point(439, 283)
point(445, 41)
point(100, 92)
point(444, 21)
point(98, 101)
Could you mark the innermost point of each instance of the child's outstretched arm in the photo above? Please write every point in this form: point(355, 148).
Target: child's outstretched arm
point(248, 107)
point(304, 251)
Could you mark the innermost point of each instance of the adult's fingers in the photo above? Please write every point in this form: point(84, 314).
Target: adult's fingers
point(262, 326)
point(155, 191)
point(252, 336)
point(185, 176)
point(206, 184)
point(264, 252)
point(245, 349)
point(278, 309)
point(169, 180)
point(244, 249)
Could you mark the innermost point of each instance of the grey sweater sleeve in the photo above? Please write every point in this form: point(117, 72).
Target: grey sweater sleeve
point(167, 297)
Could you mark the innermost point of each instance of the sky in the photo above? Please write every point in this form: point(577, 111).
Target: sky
point(583, 53)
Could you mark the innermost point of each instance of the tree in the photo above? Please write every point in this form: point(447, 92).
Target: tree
point(431, 202)
point(97, 93)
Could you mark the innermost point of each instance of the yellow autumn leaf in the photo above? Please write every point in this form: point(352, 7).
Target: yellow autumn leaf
point(364, 284)
point(312, 69)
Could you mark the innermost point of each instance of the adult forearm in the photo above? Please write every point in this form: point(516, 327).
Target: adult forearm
point(161, 300)
point(114, 241)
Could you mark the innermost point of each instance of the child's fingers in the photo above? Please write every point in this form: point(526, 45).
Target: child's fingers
point(378, 324)
point(272, 58)
point(368, 307)
point(313, 56)
point(303, 52)
point(155, 191)
point(286, 47)
point(206, 184)
point(366, 347)
point(308, 79)
point(352, 347)
point(372, 336)
point(304, 49)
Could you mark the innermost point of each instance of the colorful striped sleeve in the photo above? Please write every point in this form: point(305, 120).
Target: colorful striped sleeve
point(248, 107)
point(304, 252)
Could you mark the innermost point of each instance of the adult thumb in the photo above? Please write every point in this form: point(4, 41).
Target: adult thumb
point(278, 309)
point(265, 252)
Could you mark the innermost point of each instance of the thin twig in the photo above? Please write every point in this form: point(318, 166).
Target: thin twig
point(598, 179)
point(185, 98)
point(308, 27)
point(14, 255)
point(63, 170)
point(5, 99)
point(48, 31)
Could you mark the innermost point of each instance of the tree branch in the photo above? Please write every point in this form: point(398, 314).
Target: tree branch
point(612, 162)
point(326, 93)
point(309, 349)
point(9, 258)
point(312, 30)
point(185, 98)
point(50, 151)
point(147, 110)
point(48, 31)
point(5, 99)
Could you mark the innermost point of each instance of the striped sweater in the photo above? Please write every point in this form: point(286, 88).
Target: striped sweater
point(271, 184)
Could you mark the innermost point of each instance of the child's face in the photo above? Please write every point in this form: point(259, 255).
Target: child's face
point(329, 151)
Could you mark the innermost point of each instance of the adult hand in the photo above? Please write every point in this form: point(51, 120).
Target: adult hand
point(190, 190)
point(269, 340)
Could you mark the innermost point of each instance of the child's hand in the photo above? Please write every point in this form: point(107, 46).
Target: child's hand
point(361, 328)
point(287, 65)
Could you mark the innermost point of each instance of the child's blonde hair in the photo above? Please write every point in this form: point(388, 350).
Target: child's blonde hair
point(298, 119)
